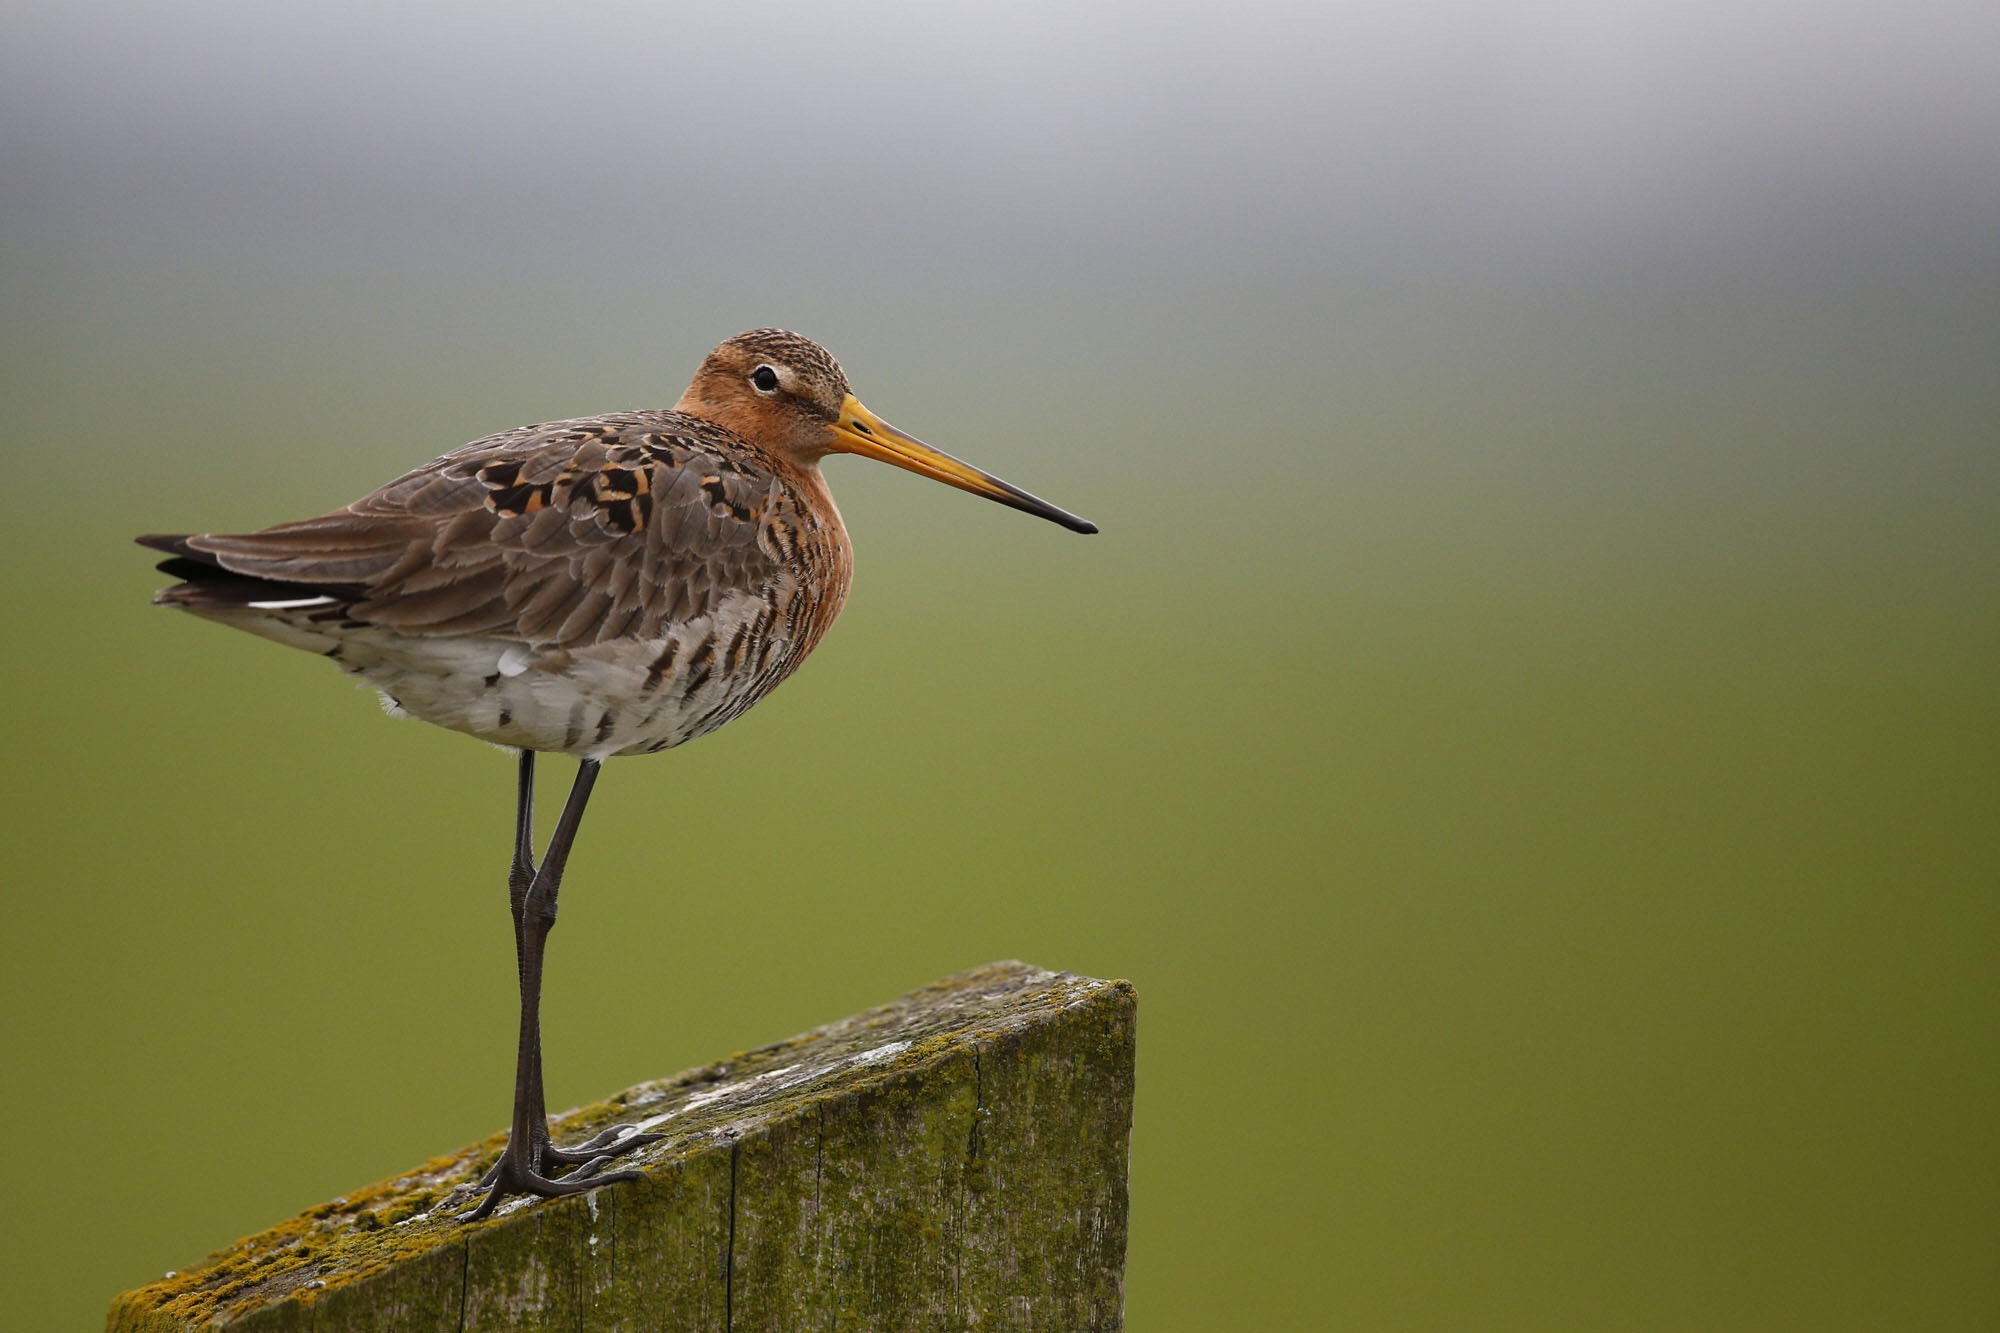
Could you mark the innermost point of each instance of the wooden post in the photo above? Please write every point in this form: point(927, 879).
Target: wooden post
point(955, 1159)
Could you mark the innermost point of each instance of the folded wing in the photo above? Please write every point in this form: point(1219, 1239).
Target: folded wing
point(562, 534)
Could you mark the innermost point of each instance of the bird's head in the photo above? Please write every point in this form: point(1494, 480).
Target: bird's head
point(787, 393)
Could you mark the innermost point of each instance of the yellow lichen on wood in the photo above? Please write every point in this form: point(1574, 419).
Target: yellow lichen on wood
point(954, 1158)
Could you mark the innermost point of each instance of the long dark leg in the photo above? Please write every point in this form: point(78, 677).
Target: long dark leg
point(533, 894)
point(522, 873)
point(520, 876)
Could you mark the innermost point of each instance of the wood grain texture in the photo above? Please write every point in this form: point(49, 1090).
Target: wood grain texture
point(953, 1160)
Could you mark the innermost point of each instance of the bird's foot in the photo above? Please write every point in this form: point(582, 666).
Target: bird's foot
point(525, 1172)
point(601, 1147)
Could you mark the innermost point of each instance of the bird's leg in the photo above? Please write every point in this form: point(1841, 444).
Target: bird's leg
point(520, 876)
point(529, 1152)
point(522, 873)
point(520, 879)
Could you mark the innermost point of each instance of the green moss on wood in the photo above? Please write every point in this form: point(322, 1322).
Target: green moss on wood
point(955, 1159)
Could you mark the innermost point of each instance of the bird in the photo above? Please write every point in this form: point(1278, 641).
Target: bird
point(595, 588)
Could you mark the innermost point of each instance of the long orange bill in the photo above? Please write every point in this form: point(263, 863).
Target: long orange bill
point(860, 431)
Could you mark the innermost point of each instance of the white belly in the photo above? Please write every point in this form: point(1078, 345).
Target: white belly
point(629, 696)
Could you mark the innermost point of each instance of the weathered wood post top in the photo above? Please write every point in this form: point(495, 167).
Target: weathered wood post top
point(955, 1159)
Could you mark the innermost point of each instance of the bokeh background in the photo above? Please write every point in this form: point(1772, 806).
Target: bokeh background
point(1528, 726)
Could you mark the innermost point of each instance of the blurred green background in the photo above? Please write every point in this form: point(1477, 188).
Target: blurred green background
point(1528, 726)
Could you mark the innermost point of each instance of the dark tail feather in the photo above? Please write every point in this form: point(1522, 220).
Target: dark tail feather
point(206, 586)
point(171, 545)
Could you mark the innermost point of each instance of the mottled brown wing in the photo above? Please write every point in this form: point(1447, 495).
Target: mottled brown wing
point(563, 534)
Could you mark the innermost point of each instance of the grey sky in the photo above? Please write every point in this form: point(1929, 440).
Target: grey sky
point(1477, 135)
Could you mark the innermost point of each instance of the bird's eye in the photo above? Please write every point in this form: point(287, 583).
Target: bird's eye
point(764, 379)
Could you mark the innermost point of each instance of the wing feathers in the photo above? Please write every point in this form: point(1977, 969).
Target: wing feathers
point(537, 534)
